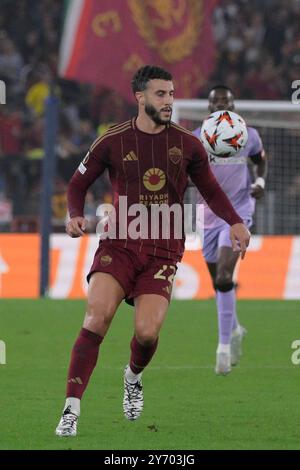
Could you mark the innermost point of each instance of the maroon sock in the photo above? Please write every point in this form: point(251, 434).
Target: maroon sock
point(83, 360)
point(141, 355)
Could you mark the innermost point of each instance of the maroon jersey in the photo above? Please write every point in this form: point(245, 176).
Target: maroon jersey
point(149, 169)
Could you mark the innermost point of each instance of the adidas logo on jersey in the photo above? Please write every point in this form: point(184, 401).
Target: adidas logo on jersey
point(131, 156)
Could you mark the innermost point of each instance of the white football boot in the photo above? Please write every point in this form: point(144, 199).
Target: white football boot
point(133, 401)
point(236, 344)
point(223, 366)
point(67, 426)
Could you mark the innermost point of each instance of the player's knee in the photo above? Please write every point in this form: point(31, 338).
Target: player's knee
point(147, 337)
point(223, 285)
point(223, 276)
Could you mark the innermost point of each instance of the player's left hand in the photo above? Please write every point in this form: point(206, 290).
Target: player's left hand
point(240, 238)
point(257, 191)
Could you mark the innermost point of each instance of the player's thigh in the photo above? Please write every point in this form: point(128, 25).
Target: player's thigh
point(150, 312)
point(227, 259)
point(105, 294)
point(210, 244)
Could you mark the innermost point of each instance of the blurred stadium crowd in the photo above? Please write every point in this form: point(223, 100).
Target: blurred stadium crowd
point(258, 56)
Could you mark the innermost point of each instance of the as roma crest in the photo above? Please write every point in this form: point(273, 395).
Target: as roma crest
point(175, 155)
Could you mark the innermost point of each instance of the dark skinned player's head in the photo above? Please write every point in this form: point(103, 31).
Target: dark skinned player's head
point(220, 97)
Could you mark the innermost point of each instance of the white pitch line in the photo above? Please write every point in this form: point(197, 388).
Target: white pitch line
point(211, 366)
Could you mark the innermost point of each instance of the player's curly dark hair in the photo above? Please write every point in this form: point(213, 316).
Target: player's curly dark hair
point(146, 73)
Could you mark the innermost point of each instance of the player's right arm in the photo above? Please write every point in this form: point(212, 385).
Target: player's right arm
point(92, 166)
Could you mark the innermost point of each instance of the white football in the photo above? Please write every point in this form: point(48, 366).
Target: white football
point(224, 133)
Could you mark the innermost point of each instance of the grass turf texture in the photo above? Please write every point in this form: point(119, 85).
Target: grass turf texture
point(186, 405)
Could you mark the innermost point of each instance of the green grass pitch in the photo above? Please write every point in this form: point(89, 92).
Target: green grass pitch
point(186, 405)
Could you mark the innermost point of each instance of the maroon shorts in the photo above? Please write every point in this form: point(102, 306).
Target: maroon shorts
point(137, 273)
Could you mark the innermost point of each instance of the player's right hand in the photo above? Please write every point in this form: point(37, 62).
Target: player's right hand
point(76, 227)
point(240, 238)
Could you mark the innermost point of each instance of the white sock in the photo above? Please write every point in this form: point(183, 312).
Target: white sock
point(131, 376)
point(75, 405)
point(223, 348)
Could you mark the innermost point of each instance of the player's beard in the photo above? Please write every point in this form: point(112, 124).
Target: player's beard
point(155, 115)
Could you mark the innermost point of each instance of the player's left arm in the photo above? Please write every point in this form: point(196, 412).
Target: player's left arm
point(259, 159)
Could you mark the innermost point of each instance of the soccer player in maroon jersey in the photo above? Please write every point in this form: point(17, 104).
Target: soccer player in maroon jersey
point(149, 160)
